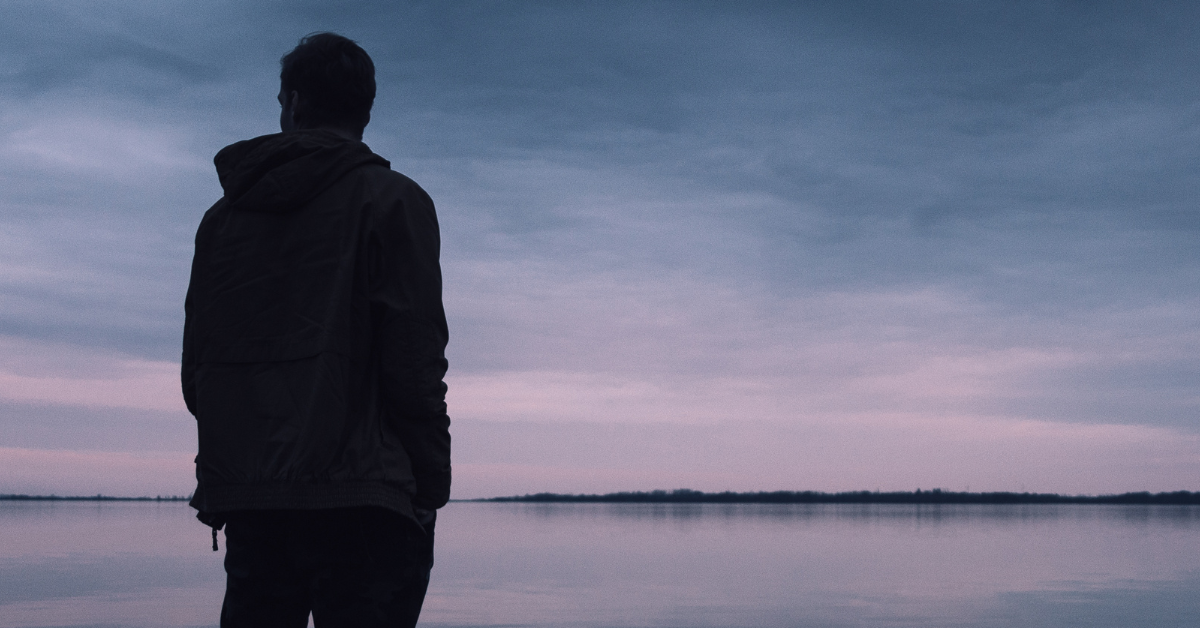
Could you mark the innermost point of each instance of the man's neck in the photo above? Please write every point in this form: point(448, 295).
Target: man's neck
point(349, 134)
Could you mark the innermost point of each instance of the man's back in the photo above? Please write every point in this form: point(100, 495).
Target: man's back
point(313, 349)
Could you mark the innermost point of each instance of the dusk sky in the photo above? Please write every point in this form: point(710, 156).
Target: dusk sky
point(714, 245)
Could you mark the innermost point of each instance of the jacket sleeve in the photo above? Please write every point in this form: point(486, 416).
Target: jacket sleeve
point(187, 362)
point(188, 359)
point(410, 326)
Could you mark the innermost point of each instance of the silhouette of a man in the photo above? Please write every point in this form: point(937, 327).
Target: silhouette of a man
point(313, 358)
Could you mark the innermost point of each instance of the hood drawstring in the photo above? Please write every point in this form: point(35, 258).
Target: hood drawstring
point(216, 521)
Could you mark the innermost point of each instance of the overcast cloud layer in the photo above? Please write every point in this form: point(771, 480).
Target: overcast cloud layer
point(748, 246)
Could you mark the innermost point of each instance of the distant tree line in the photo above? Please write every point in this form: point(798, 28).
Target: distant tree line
point(688, 496)
point(935, 496)
point(91, 498)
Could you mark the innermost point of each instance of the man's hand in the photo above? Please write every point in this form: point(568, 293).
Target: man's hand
point(425, 517)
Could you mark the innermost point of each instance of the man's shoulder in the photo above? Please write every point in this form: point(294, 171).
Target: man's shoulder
point(386, 176)
point(388, 183)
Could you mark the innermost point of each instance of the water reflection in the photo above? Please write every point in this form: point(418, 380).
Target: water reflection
point(816, 564)
point(660, 565)
point(954, 514)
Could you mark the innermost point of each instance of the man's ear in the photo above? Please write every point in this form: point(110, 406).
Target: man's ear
point(289, 120)
point(299, 108)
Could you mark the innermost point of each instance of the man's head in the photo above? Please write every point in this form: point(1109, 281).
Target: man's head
point(327, 81)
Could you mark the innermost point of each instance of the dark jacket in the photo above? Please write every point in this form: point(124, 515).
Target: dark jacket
point(313, 352)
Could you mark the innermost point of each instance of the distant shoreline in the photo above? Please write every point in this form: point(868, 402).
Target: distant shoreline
point(687, 496)
point(935, 496)
point(90, 498)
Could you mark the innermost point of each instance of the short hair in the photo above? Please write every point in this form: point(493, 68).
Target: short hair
point(335, 76)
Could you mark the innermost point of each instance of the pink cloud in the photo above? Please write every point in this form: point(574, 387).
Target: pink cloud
point(65, 472)
point(56, 374)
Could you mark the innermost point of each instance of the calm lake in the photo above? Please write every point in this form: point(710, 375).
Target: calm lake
point(678, 565)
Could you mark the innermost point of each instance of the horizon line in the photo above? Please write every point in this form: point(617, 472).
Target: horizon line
point(931, 496)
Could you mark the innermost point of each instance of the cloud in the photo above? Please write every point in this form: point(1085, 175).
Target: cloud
point(82, 472)
point(78, 144)
point(900, 452)
point(655, 212)
point(72, 376)
point(96, 235)
point(51, 46)
point(533, 342)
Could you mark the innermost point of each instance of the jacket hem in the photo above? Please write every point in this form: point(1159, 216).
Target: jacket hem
point(221, 499)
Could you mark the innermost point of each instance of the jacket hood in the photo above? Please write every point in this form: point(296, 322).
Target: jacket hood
point(281, 172)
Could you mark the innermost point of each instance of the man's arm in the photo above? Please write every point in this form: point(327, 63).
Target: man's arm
point(187, 362)
point(406, 302)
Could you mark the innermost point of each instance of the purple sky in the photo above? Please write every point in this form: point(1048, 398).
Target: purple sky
point(745, 246)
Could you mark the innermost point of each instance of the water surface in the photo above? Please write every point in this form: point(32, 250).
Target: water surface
point(659, 565)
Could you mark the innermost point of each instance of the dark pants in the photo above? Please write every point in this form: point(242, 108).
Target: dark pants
point(349, 566)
